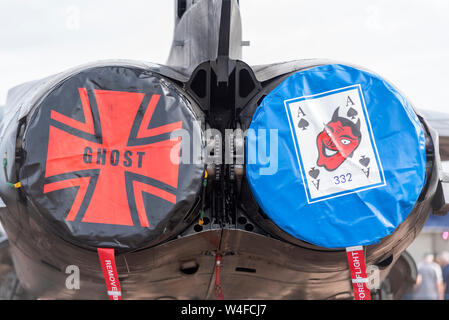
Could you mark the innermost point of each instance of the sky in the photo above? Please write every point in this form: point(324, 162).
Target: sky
point(405, 41)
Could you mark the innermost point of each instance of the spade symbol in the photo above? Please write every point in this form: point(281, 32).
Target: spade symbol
point(364, 161)
point(352, 113)
point(314, 173)
point(303, 124)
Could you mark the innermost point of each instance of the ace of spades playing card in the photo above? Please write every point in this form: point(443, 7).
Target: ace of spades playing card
point(334, 142)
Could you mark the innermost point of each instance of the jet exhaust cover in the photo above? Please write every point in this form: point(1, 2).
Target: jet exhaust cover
point(351, 156)
point(103, 161)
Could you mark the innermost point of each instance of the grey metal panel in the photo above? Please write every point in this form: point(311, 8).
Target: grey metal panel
point(196, 36)
point(437, 120)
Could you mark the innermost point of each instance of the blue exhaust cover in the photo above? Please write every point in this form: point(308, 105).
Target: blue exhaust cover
point(336, 156)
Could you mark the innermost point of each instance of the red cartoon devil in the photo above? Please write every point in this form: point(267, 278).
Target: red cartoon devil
point(338, 140)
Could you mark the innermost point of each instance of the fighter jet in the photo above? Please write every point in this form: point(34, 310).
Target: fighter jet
point(207, 178)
